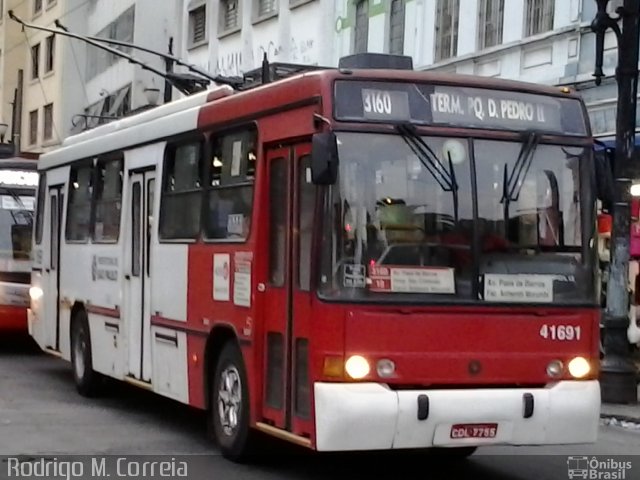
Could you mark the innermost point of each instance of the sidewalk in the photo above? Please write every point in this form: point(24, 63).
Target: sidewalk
point(622, 413)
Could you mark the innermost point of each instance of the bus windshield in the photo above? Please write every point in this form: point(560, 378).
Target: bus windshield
point(440, 218)
point(16, 225)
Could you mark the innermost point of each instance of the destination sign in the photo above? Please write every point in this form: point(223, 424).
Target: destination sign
point(18, 178)
point(458, 106)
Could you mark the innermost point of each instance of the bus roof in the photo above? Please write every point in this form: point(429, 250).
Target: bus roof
point(149, 115)
point(181, 115)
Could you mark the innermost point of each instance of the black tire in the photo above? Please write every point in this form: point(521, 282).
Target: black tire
point(229, 417)
point(457, 453)
point(89, 383)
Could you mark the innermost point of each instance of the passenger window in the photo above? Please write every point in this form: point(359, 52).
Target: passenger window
point(108, 200)
point(230, 196)
point(182, 191)
point(278, 188)
point(306, 219)
point(79, 207)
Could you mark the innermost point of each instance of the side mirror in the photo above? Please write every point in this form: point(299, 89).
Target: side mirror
point(324, 158)
point(604, 181)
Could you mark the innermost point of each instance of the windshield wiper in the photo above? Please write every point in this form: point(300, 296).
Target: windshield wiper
point(428, 158)
point(28, 214)
point(512, 182)
point(513, 185)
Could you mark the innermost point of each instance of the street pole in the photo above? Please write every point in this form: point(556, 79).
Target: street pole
point(617, 372)
point(168, 63)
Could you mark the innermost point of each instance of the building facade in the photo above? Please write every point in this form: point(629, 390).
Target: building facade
point(113, 86)
point(231, 37)
point(67, 86)
point(540, 41)
point(38, 73)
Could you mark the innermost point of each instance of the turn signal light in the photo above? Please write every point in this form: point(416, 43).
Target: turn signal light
point(332, 367)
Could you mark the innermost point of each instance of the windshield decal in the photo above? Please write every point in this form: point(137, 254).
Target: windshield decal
point(354, 276)
point(412, 280)
point(518, 288)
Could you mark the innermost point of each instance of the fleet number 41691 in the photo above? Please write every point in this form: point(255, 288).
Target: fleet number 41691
point(560, 332)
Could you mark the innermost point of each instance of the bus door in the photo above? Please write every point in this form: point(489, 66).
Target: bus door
point(51, 273)
point(137, 273)
point(287, 400)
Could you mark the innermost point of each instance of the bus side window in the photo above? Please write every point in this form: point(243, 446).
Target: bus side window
point(230, 186)
point(182, 191)
point(79, 206)
point(108, 200)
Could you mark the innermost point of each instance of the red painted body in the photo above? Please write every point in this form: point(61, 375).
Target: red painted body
point(13, 319)
point(431, 346)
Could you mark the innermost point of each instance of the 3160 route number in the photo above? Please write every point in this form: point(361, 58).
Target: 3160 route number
point(560, 332)
point(377, 101)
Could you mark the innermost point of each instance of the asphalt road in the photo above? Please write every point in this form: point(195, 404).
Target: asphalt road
point(42, 415)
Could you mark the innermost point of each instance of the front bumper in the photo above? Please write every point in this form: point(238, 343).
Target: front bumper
point(371, 416)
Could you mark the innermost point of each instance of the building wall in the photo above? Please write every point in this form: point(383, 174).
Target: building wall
point(313, 32)
point(541, 58)
point(601, 100)
point(301, 33)
point(153, 26)
point(72, 57)
point(45, 88)
point(320, 32)
point(13, 45)
point(58, 87)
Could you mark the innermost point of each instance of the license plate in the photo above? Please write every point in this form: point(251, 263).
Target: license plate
point(474, 430)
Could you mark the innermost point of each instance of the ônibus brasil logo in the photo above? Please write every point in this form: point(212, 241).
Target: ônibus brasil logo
point(597, 469)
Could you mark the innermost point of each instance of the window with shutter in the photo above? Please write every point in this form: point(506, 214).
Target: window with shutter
point(230, 14)
point(490, 26)
point(33, 127)
point(539, 17)
point(48, 121)
point(266, 7)
point(447, 29)
point(396, 27)
point(361, 26)
point(198, 23)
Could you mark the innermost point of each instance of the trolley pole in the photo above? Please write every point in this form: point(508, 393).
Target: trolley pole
point(618, 374)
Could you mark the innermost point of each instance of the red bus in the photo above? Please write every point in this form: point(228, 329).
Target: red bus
point(18, 183)
point(348, 259)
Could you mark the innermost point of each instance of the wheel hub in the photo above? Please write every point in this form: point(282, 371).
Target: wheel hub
point(229, 400)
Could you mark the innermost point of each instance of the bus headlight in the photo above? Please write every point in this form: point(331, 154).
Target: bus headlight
point(554, 369)
point(386, 368)
point(579, 367)
point(35, 293)
point(357, 367)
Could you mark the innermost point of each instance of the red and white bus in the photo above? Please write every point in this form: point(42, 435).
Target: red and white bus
point(348, 259)
point(18, 183)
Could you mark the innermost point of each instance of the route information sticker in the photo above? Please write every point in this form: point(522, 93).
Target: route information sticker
point(412, 280)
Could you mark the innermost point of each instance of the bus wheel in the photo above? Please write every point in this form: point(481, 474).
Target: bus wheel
point(229, 408)
point(88, 382)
